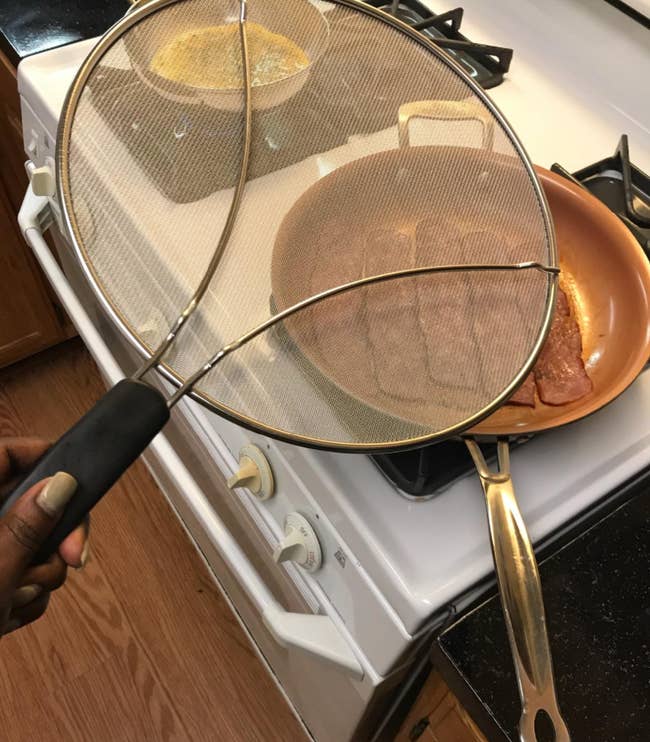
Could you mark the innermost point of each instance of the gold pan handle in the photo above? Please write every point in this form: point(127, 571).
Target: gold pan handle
point(521, 596)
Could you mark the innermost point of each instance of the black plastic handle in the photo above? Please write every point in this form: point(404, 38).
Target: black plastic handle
point(97, 451)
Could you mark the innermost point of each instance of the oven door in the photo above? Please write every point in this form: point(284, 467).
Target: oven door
point(321, 669)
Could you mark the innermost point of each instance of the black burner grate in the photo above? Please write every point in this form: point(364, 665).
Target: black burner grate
point(427, 471)
point(485, 63)
point(621, 186)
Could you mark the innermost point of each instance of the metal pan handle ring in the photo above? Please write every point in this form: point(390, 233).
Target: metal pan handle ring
point(446, 110)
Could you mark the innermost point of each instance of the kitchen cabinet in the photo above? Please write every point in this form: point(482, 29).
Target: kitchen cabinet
point(30, 318)
point(437, 716)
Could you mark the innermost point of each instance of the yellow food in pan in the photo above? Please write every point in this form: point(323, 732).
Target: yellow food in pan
point(211, 57)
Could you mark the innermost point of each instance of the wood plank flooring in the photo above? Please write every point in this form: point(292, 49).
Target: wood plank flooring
point(140, 645)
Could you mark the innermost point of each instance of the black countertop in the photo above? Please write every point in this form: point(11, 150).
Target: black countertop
point(31, 26)
point(597, 596)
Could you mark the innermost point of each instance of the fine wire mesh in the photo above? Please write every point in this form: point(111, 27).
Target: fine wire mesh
point(331, 197)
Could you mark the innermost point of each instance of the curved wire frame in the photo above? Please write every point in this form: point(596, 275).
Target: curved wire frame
point(154, 357)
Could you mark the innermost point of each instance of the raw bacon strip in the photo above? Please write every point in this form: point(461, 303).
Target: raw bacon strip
point(334, 329)
point(481, 246)
point(444, 308)
point(392, 318)
point(387, 250)
point(559, 372)
point(337, 259)
point(437, 242)
point(497, 320)
point(525, 395)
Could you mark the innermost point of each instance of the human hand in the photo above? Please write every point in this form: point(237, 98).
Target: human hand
point(24, 589)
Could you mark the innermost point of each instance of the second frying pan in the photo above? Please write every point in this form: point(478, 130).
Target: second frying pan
point(606, 276)
point(307, 28)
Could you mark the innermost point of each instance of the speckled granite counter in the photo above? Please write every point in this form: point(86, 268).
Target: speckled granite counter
point(597, 594)
point(32, 26)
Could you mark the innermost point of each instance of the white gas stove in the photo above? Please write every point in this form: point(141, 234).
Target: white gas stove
point(392, 567)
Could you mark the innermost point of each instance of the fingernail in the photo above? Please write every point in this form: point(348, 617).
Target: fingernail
point(26, 594)
point(85, 555)
point(11, 626)
point(56, 493)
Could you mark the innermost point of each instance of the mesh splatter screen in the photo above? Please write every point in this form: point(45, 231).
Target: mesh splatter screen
point(370, 153)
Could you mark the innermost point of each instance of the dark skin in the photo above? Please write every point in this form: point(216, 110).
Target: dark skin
point(22, 530)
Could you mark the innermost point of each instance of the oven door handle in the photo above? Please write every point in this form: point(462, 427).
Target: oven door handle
point(317, 635)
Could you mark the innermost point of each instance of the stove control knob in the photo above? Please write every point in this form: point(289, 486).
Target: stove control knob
point(254, 473)
point(43, 183)
point(299, 544)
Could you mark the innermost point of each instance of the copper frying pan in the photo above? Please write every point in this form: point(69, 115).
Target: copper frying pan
point(607, 277)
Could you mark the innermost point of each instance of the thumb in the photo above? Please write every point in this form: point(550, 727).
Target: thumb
point(31, 519)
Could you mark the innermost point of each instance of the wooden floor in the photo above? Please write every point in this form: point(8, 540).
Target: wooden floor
point(140, 645)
